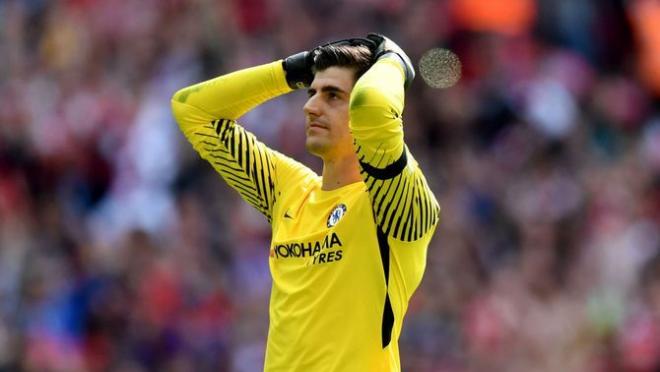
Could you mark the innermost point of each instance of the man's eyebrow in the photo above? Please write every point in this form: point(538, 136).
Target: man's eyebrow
point(332, 89)
point(326, 89)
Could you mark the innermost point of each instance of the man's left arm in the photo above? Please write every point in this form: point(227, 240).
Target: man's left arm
point(404, 206)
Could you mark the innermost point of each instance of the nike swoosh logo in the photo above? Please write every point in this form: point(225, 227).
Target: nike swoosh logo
point(286, 215)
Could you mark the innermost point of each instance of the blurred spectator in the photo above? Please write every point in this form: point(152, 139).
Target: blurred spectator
point(121, 250)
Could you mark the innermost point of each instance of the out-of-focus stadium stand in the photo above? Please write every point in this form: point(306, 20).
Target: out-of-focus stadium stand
point(121, 250)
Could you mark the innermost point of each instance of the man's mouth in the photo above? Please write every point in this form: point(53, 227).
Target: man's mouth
point(315, 124)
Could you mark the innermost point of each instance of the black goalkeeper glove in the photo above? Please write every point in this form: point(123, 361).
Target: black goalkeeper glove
point(384, 47)
point(298, 67)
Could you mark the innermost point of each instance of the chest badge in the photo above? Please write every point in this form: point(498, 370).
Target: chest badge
point(336, 214)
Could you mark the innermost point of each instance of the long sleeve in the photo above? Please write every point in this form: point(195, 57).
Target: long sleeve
point(207, 114)
point(403, 204)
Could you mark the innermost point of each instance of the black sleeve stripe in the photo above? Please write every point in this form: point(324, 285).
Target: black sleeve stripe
point(403, 210)
point(211, 144)
point(215, 137)
point(224, 131)
point(219, 150)
point(407, 226)
point(371, 184)
point(415, 210)
point(264, 187)
point(238, 176)
point(424, 213)
point(223, 154)
point(255, 177)
point(383, 192)
point(250, 156)
point(370, 181)
point(384, 196)
point(247, 162)
point(245, 186)
point(427, 216)
point(404, 227)
point(424, 221)
point(219, 130)
point(228, 134)
point(233, 148)
point(389, 171)
point(379, 196)
point(223, 158)
point(258, 176)
point(426, 202)
point(242, 154)
point(415, 229)
point(410, 209)
point(391, 208)
point(218, 126)
point(398, 212)
point(433, 213)
point(396, 226)
point(242, 161)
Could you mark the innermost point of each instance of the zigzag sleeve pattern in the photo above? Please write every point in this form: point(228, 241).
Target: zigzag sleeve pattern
point(206, 114)
point(404, 205)
point(247, 165)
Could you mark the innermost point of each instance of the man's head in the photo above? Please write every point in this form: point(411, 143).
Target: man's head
point(356, 57)
point(336, 69)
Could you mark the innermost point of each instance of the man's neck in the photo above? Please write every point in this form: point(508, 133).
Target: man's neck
point(340, 172)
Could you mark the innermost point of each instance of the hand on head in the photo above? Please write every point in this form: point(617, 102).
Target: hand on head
point(299, 67)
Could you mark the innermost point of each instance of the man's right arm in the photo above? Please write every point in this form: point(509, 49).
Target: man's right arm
point(207, 114)
point(232, 95)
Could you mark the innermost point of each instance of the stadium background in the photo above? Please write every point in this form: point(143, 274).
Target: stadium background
point(121, 250)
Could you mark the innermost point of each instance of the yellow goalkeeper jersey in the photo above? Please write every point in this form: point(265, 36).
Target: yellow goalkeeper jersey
point(344, 262)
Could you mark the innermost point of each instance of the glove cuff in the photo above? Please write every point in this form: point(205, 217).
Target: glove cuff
point(405, 63)
point(298, 70)
point(385, 47)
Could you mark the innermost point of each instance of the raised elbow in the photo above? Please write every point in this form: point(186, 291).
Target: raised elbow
point(371, 104)
point(366, 97)
point(179, 109)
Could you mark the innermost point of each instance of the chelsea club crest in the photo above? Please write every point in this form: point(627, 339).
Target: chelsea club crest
point(336, 214)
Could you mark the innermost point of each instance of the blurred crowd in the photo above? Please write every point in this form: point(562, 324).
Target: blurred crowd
point(121, 250)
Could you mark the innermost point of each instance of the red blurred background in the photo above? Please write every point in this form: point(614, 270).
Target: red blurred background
point(121, 250)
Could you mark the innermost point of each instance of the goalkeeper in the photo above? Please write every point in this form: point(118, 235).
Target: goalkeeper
point(349, 246)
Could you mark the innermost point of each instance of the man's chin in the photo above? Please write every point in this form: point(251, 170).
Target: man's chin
point(315, 147)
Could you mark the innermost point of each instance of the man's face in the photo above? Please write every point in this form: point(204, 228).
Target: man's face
point(326, 113)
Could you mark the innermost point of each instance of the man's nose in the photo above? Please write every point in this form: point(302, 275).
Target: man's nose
point(311, 106)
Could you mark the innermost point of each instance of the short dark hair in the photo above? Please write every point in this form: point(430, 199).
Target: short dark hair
point(358, 57)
